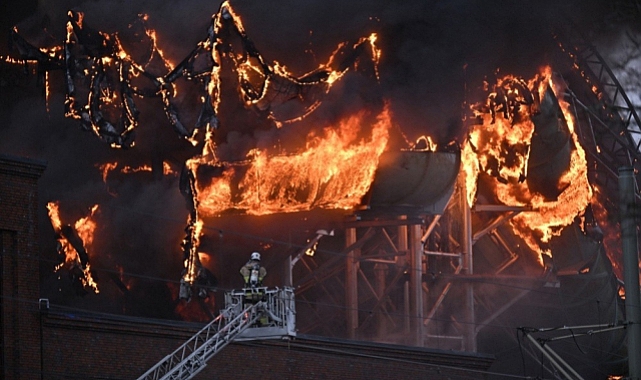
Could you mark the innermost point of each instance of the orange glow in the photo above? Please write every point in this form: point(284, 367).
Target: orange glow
point(501, 149)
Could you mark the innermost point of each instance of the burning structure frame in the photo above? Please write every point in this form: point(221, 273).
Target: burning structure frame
point(608, 133)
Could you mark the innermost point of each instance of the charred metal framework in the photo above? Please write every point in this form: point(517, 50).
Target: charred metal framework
point(385, 275)
point(103, 83)
point(405, 254)
point(388, 273)
point(609, 125)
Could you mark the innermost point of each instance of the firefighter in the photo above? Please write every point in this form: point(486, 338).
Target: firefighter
point(252, 272)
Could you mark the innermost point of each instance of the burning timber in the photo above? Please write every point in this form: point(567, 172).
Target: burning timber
point(72, 248)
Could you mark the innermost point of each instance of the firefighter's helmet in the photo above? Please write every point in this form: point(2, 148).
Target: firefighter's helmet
point(255, 256)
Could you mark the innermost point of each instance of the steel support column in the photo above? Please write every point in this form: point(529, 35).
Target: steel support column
point(469, 323)
point(402, 246)
point(352, 266)
point(627, 194)
point(416, 288)
point(380, 271)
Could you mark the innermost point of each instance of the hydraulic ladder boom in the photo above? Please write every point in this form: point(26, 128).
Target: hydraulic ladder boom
point(192, 356)
point(249, 314)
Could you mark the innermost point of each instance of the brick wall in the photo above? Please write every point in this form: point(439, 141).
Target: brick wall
point(20, 339)
point(110, 347)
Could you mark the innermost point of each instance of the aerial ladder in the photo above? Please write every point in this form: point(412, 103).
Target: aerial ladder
point(249, 314)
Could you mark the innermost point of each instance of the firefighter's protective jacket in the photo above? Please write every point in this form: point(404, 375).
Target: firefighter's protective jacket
point(246, 272)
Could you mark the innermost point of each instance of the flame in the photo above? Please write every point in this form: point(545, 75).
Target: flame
point(128, 169)
point(428, 142)
point(312, 250)
point(376, 52)
point(258, 78)
point(151, 33)
point(611, 231)
point(86, 226)
point(109, 167)
point(334, 171)
point(500, 148)
point(106, 168)
point(47, 91)
point(11, 60)
point(471, 168)
point(192, 262)
point(54, 214)
point(85, 229)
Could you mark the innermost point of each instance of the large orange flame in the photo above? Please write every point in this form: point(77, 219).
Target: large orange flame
point(500, 148)
point(334, 171)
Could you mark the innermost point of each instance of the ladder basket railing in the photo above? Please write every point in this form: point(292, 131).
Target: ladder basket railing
point(279, 305)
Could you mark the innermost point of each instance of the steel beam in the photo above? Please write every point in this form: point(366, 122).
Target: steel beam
point(416, 281)
point(352, 266)
point(629, 242)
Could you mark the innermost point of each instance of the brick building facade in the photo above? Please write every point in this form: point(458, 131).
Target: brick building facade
point(42, 342)
point(19, 285)
point(114, 347)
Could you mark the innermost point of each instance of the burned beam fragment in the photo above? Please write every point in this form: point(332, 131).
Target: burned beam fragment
point(550, 149)
point(69, 233)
